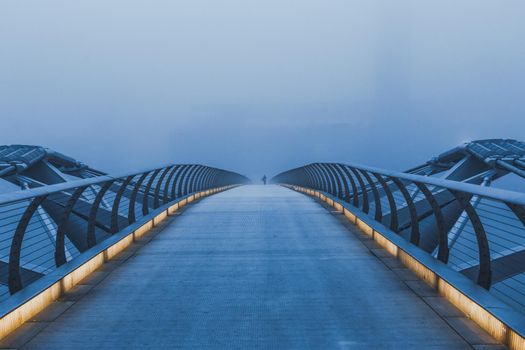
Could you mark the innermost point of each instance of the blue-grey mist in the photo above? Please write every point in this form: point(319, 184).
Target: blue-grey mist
point(260, 86)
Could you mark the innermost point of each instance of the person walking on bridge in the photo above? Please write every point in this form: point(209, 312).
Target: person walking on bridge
point(264, 179)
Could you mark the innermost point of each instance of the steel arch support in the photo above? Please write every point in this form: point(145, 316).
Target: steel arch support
point(204, 180)
point(518, 210)
point(328, 176)
point(414, 221)
point(167, 196)
point(146, 196)
point(60, 241)
point(377, 201)
point(91, 237)
point(319, 185)
point(212, 181)
point(199, 180)
point(15, 278)
point(181, 179)
point(485, 271)
point(176, 179)
point(116, 204)
point(208, 181)
point(133, 198)
point(443, 251)
point(355, 193)
point(322, 185)
point(196, 178)
point(156, 201)
point(330, 185)
point(344, 193)
point(189, 179)
point(333, 180)
point(364, 191)
point(391, 202)
point(311, 177)
point(303, 175)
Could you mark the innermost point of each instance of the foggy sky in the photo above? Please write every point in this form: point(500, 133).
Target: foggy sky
point(260, 86)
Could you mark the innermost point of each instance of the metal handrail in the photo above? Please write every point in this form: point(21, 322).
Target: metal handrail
point(45, 227)
point(64, 186)
point(497, 194)
point(432, 213)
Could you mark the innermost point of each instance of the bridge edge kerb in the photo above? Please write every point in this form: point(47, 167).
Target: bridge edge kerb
point(24, 305)
point(496, 318)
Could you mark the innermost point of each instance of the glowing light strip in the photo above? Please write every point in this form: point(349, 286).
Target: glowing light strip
point(496, 327)
point(20, 314)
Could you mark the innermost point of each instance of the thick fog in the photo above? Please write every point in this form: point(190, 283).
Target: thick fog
point(260, 86)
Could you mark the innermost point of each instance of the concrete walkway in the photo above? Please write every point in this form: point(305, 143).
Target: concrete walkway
point(254, 267)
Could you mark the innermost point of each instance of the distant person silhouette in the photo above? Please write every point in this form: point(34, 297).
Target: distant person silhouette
point(264, 179)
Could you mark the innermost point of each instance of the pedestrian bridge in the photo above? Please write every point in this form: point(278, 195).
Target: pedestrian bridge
point(252, 267)
point(330, 255)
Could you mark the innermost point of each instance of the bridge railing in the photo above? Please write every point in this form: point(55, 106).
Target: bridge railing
point(478, 231)
point(46, 227)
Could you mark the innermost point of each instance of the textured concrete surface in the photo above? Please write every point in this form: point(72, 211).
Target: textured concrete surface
point(254, 267)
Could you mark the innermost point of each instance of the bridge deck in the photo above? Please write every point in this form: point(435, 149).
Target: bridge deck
point(253, 267)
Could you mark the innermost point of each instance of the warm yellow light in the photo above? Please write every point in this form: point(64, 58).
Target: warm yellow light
point(488, 322)
point(26, 311)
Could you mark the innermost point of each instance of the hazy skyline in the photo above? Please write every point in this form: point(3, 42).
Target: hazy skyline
point(260, 87)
